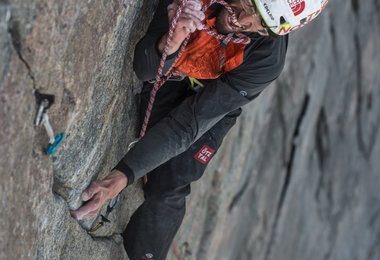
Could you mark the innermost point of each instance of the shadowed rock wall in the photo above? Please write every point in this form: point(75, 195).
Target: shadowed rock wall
point(297, 177)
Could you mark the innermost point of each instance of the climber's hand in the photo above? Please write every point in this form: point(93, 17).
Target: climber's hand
point(99, 192)
point(190, 20)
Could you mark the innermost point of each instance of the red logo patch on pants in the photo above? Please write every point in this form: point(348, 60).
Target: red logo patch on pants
point(204, 155)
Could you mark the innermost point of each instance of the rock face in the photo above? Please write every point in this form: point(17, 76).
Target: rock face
point(299, 175)
point(297, 178)
point(81, 53)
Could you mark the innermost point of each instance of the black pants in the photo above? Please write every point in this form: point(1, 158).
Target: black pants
point(153, 226)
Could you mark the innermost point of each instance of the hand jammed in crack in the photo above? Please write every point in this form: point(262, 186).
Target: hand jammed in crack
point(98, 193)
point(190, 20)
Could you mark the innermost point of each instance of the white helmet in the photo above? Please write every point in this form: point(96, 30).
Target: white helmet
point(284, 16)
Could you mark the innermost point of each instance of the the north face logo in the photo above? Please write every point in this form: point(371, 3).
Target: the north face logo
point(204, 155)
point(297, 6)
point(147, 256)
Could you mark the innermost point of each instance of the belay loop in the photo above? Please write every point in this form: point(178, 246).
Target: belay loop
point(160, 79)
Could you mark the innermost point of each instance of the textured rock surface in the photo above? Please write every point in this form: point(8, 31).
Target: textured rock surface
point(80, 52)
point(297, 178)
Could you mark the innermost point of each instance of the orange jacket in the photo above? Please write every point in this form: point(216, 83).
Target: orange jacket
point(205, 58)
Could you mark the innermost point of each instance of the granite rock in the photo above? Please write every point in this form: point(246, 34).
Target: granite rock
point(297, 177)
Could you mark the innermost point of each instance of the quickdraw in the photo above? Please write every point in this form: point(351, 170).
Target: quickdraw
point(111, 205)
point(104, 218)
point(44, 102)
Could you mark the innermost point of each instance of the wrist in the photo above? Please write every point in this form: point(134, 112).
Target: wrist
point(123, 179)
point(119, 182)
point(126, 170)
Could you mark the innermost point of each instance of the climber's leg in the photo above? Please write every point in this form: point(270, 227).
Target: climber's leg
point(153, 226)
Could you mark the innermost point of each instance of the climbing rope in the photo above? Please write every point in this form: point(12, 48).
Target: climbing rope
point(160, 79)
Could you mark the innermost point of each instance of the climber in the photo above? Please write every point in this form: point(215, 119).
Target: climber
point(192, 114)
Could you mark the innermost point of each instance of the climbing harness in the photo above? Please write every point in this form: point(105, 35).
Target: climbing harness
point(195, 84)
point(44, 102)
point(104, 218)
